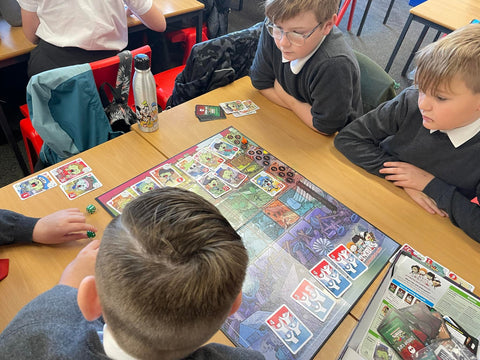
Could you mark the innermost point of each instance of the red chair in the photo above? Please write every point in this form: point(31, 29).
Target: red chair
point(165, 81)
point(187, 37)
point(104, 70)
point(342, 11)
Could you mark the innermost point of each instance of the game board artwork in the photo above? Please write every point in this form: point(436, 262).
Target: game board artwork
point(310, 257)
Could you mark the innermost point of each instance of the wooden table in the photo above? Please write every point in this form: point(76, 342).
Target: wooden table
point(442, 15)
point(37, 268)
point(280, 132)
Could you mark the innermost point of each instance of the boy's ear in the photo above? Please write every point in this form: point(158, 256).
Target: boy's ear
point(329, 24)
point(88, 300)
point(236, 304)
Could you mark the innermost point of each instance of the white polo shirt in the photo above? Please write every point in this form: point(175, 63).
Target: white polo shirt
point(87, 24)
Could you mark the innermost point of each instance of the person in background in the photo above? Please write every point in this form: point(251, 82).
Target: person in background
point(77, 32)
point(10, 11)
point(427, 139)
point(304, 64)
point(58, 227)
point(168, 272)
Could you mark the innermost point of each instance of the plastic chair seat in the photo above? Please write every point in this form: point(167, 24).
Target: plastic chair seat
point(186, 36)
point(165, 82)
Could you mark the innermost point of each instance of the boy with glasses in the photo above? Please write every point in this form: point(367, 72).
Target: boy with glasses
point(304, 64)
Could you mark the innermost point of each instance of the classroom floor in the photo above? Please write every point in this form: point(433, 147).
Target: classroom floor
point(376, 41)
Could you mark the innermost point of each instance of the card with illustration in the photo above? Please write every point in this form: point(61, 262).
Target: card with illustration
point(224, 149)
point(231, 106)
point(250, 105)
point(80, 186)
point(166, 175)
point(230, 175)
point(192, 167)
point(118, 202)
point(70, 170)
point(208, 158)
point(289, 329)
point(267, 183)
point(213, 185)
point(144, 186)
point(329, 277)
point(348, 262)
point(34, 185)
point(313, 299)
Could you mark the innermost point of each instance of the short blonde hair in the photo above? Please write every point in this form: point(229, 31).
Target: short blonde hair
point(457, 54)
point(168, 272)
point(281, 10)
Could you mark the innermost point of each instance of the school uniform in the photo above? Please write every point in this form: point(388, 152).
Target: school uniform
point(15, 227)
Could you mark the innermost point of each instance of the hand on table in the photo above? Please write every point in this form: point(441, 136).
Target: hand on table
point(61, 226)
point(425, 202)
point(406, 175)
point(82, 266)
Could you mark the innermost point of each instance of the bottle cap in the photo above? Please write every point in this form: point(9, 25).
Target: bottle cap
point(142, 62)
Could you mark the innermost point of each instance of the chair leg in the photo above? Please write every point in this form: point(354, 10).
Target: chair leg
point(364, 17)
point(415, 49)
point(352, 11)
point(399, 42)
point(11, 140)
point(388, 12)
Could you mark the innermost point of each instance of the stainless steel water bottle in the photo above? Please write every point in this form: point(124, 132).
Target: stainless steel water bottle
point(145, 94)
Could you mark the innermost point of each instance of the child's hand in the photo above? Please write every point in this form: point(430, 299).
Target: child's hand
point(61, 226)
point(425, 202)
point(82, 266)
point(406, 175)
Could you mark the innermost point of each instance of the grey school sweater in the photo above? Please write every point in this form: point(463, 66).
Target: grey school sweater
point(15, 228)
point(394, 132)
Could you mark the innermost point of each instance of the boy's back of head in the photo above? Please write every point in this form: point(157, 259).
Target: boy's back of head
point(281, 10)
point(168, 271)
point(457, 54)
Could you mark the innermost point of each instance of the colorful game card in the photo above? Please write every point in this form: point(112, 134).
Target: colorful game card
point(232, 106)
point(70, 170)
point(224, 149)
point(192, 167)
point(166, 175)
point(289, 329)
point(208, 158)
point(144, 186)
point(348, 262)
point(329, 277)
point(213, 185)
point(250, 105)
point(268, 183)
point(230, 175)
point(313, 299)
point(118, 202)
point(80, 186)
point(34, 185)
point(209, 112)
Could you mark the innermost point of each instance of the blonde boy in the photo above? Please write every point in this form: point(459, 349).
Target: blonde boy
point(427, 139)
point(304, 64)
point(168, 272)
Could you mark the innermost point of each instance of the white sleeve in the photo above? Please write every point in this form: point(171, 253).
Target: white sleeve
point(139, 7)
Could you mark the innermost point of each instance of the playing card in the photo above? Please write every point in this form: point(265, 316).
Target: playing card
point(313, 299)
point(407, 248)
point(232, 106)
point(209, 112)
point(166, 175)
point(267, 183)
point(243, 113)
point(329, 277)
point(118, 202)
point(208, 158)
point(192, 167)
point(34, 185)
point(250, 105)
point(289, 329)
point(80, 186)
point(70, 170)
point(144, 186)
point(230, 175)
point(213, 185)
point(348, 262)
point(224, 149)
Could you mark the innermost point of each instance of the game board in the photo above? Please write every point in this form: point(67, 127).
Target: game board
point(311, 257)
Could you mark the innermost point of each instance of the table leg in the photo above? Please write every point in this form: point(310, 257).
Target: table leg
point(399, 43)
point(11, 140)
point(388, 11)
point(198, 35)
point(415, 49)
point(364, 17)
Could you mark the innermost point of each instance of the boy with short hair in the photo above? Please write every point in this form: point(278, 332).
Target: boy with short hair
point(427, 139)
point(304, 64)
point(168, 272)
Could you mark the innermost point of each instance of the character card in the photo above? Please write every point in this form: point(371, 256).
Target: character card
point(268, 183)
point(144, 186)
point(70, 170)
point(348, 262)
point(34, 185)
point(289, 329)
point(209, 112)
point(118, 202)
point(313, 299)
point(224, 149)
point(166, 175)
point(208, 158)
point(214, 185)
point(230, 175)
point(80, 186)
point(329, 277)
point(232, 106)
point(192, 167)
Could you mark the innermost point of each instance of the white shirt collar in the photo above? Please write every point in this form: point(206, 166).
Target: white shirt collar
point(461, 135)
point(111, 347)
point(297, 64)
